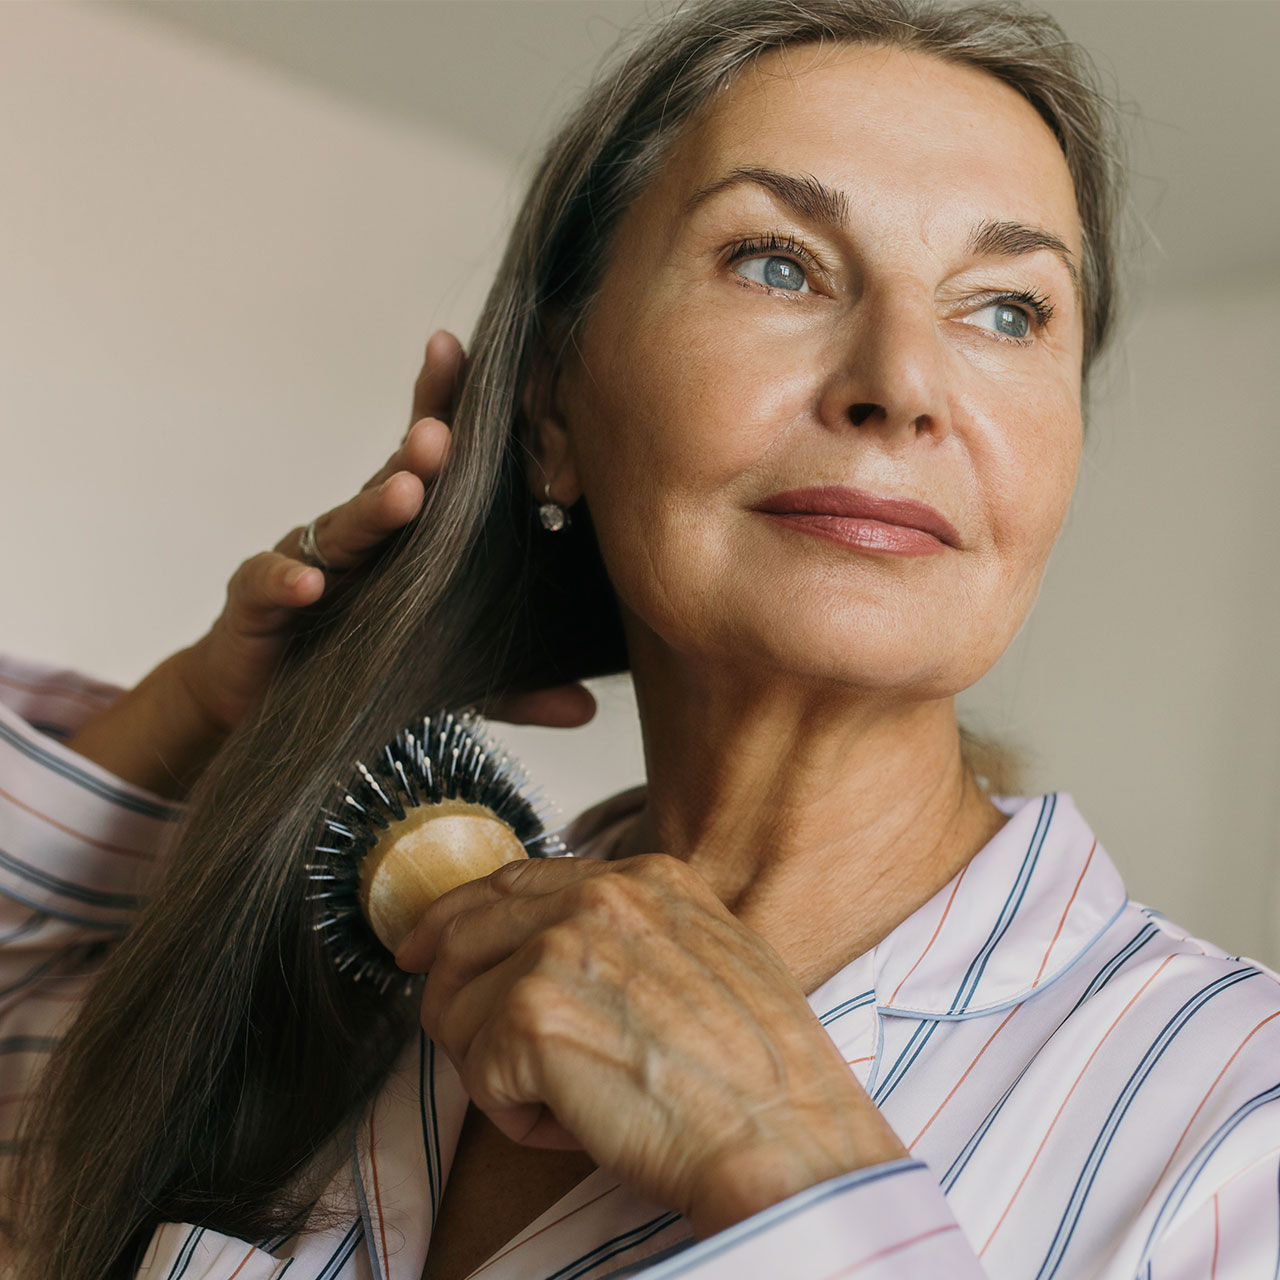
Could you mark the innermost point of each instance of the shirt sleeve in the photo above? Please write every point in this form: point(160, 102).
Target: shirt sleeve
point(77, 849)
point(886, 1222)
point(77, 845)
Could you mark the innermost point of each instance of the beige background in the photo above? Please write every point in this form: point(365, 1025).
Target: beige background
point(226, 230)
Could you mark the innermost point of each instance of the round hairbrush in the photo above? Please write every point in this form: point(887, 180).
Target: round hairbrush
point(441, 804)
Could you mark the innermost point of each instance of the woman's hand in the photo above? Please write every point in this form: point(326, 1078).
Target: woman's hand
point(162, 733)
point(620, 1008)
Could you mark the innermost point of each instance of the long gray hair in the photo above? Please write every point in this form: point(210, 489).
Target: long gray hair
point(219, 1050)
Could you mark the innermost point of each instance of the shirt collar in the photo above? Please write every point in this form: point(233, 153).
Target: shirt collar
point(1020, 913)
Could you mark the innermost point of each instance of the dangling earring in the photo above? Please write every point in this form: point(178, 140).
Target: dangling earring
point(553, 516)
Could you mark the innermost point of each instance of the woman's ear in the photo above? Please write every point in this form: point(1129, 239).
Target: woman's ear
point(548, 443)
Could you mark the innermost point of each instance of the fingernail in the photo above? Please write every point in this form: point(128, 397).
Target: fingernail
point(294, 576)
point(431, 339)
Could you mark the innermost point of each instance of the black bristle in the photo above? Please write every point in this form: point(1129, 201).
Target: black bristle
point(449, 756)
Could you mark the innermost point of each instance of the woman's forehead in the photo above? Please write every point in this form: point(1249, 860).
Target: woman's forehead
point(911, 143)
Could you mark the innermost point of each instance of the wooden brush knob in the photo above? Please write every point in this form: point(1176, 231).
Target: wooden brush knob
point(433, 849)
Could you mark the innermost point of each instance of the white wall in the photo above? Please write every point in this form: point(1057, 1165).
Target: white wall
point(1145, 682)
point(214, 284)
point(214, 288)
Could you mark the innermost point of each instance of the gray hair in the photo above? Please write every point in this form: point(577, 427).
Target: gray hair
point(278, 1052)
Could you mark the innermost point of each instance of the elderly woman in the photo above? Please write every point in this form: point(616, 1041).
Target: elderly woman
point(777, 403)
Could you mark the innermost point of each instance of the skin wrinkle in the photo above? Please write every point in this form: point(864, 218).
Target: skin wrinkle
point(973, 390)
point(806, 786)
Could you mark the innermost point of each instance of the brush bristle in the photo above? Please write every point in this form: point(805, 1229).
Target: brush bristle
point(447, 756)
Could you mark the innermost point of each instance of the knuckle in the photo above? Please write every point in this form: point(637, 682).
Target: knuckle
point(529, 1006)
point(663, 869)
point(557, 947)
point(508, 879)
point(609, 897)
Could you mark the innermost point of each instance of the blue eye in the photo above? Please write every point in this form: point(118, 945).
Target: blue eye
point(774, 273)
point(1014, 316)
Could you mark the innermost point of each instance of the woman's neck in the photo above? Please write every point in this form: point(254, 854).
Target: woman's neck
point(821, 821)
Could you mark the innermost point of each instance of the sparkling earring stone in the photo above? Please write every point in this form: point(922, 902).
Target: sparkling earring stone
point(553, 516)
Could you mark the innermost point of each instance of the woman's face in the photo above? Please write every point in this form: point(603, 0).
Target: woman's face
point(855, 272)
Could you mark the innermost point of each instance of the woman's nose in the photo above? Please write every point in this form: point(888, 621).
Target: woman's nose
point(892, 375)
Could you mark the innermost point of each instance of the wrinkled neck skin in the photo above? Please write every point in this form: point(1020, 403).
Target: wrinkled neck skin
point(821, 816)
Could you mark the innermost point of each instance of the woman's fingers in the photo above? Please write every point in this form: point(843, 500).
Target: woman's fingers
point(435, 390)
point(266, 589)
point(345, 536)
point(564, 707)
point(506, 903)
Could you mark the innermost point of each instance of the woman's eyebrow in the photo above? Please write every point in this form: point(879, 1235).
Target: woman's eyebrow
point(802, 193)
point(1011, 239)
point(813, 200)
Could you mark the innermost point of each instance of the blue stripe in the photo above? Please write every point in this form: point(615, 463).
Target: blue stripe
point(423, 1078)
point(29, 1044)
point(978, 966)
point(68, 888)
point(1113, 966)
point(1277, 1275)
point(375, 1263)
point(854, 1002)
point(103, 926)
point(1110, 969)
point(340, 1256)
point(64, 769)
point(768, 1219)
point(31, 923)
point(1195, 1167)
point(31, 975)
point(898, 1072)
point(58, 731)
point(1102, 1143)
point(183, 1260)
point(612, 1248)
point(434, 1149)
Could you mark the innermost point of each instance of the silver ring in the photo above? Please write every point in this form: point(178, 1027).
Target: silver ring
point(308, 550)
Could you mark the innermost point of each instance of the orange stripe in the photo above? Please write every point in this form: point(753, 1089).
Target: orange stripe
point(963, 1078)
point(1213, 1266)
point(241, 1267)
point(1058, 1114)
point(1203, 1100)
point(1065, 911)
point(377, 1191)
point(955, 889)
point(519, 1244)
point(849, 1062)
point(892, 1249)
point(63, 691)
point(89, 840)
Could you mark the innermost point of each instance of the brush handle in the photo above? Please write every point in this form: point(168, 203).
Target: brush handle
point(433, 849)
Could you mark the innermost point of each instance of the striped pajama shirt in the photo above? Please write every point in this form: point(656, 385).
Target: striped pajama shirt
point(1084, 1091)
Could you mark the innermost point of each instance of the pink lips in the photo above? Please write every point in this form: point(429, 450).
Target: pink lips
point(897, 526)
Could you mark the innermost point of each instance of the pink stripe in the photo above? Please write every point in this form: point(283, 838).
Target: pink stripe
point(963, 1078)
point(1058, 1114)
point(1213, 1266)
point(1065, 911)
point(954, 890)
point(89, 840)
point(892, 1249)
point(60, 691)
point(519, 1244)
point(1196, 1112)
